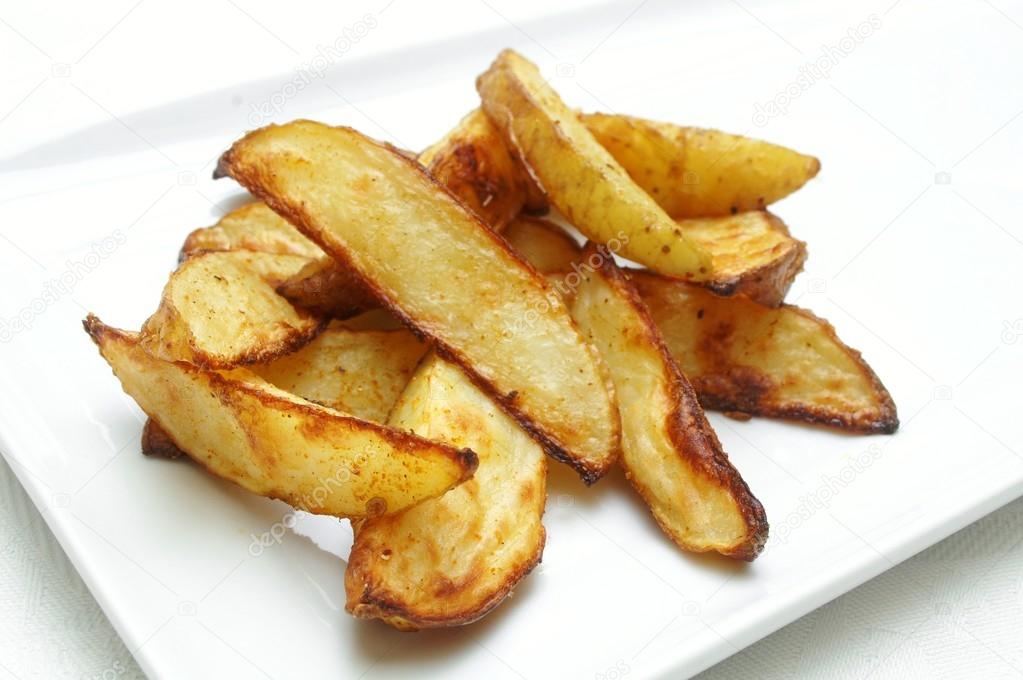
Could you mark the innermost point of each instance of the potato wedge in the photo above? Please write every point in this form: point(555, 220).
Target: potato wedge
point(581, 179)
point(445, 273)
point(544, 244)
point(474, 163)
point(327, 289)
point(220, 309)
point(669, 451)
point(783, 362)
point(693, 172)
point(752, 254)
point(450, 560)
point(276, 444)
point(361, 373)
point(251, 227)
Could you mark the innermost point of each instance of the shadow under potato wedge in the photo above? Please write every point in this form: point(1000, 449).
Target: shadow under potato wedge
point(450, 560)
point(220, 309)
point(670, 453)
point(278, 445)
point(694, 172)
point(581, 179)
point(443, 272)
point(780, 362)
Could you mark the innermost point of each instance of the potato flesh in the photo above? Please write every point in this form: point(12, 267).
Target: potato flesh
point(669, 451)
point(543, 244)
point(784, 362)
point(276, 444)
point(450, 560)
point(694, 172)
point(752, 254)
point(445, 273)
point(253, 226)
point(580, 177)
point(361, 373)
point(220, 309)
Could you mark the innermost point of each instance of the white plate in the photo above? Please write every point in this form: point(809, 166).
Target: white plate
point(922, 275)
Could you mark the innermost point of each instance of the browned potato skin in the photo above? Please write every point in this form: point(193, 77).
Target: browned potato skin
point(276, 162)
point(253, 226)
point(473, 162)
point(693, 172)
point(197, 319)
point(158, 444)
point(327, 289)
point(450, 560)
point(718, 342)
point(276, 444)
point(724, 516)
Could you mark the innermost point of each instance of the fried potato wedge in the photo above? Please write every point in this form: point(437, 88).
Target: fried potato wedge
point(251, 227)
point(327, 289)
point(220, 309)
point(475, 164)
point(752, 254)
point(693, 172)
point(278, 445)
point(783, 362)
point(544, 244)
point(450, 560)
point(445, 273)
point(581, 179)
point(361, 373)
point(669, 451)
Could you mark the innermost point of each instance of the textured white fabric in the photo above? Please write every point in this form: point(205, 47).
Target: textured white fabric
point(953, 611)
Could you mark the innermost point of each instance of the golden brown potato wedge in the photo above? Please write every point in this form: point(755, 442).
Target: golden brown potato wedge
point(581, 179)
point(361, 373)
point(251, 227)
point(220, 309)
point(752, 254)
point(692, 172)
point(445, 273)
point(450, 560)
point(544, 244)
point(278, 445)
point(327, 289)
point(669, 451)
point(783, 362)
point(473, 162)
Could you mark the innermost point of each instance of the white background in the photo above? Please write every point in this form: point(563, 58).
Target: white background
point(955, 610)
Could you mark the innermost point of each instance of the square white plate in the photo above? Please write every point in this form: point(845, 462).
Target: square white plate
point(915, 251)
